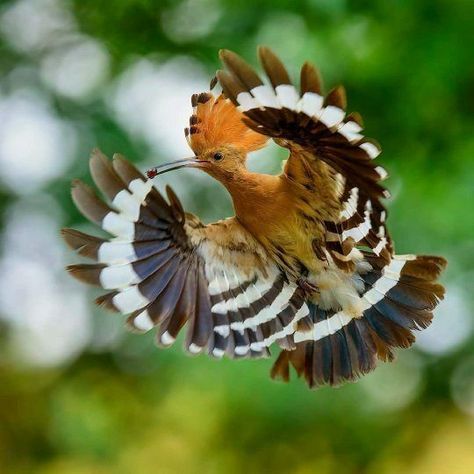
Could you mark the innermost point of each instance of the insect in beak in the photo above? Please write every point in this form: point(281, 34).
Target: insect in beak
point(174, 165)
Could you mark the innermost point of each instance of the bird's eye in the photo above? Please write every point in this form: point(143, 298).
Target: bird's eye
point(218, 156)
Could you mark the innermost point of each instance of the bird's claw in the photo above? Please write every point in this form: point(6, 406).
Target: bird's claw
point(307, 287)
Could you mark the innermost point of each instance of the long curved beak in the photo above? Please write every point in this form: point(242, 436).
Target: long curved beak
point(174, 165)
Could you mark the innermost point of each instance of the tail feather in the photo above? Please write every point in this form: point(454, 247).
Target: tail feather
point(404, 316)
point(389, 332)
point(342, 358)
point(399, 299)
point(364, 359)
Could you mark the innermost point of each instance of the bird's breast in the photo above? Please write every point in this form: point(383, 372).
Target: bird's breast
point(289, 236)
point(285, 222)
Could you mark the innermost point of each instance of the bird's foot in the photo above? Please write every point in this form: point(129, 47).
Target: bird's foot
point(307, 287)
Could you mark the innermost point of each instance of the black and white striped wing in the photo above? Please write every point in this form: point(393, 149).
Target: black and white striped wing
point(306, 120)
point(165, 268)
point(252, 306)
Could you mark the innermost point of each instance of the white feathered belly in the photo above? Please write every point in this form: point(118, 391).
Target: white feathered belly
point(339, 290)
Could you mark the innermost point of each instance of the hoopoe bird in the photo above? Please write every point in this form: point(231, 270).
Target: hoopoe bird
point(306, 264)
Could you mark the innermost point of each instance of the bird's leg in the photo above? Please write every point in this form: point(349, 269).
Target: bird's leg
point(309, 288)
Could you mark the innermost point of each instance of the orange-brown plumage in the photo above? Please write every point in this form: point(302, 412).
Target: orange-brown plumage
point(284, 215)
point(216, 122)
point(306, 263)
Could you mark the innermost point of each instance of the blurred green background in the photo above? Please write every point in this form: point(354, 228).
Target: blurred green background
point(78, 394)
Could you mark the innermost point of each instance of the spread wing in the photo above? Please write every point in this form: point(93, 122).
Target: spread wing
point(167, 269)
point(327, 148)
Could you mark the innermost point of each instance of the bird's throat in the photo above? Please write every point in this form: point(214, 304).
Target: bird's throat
point(253, 194)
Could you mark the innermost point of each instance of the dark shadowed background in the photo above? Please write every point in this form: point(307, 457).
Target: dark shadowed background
point(78, 394)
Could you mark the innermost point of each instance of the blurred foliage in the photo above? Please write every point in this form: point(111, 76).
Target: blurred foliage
point(124, 406)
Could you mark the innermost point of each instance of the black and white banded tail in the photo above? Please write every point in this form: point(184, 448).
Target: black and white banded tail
point(398, 299)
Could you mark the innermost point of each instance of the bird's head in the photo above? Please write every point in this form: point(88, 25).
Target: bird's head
point(219, 138)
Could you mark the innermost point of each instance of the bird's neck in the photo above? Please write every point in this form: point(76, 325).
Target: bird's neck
point(252, 193)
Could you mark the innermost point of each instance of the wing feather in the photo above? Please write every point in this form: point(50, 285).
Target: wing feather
point(317, 130)
point(168, 270)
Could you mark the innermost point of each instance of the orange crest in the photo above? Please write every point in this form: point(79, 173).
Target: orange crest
point(216, 122)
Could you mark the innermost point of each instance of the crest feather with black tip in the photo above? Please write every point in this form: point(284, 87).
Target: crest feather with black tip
point(217, 122)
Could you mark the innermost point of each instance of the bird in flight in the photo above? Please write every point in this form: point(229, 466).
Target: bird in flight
point(306, 264)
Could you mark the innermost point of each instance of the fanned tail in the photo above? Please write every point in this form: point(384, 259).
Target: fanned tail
point(398, 299)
